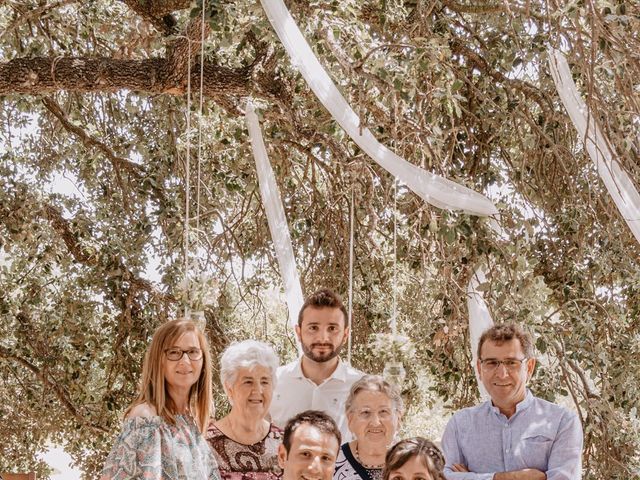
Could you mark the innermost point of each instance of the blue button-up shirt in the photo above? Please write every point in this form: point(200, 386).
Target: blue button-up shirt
point(540, 435)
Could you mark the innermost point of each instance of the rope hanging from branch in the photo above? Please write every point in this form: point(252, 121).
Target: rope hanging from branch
point(199, 318)
point(200, 108)
point(187, 187)
point(352, 208)
point(394, 306)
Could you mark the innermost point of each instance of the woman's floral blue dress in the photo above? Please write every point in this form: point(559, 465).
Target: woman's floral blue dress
point(151, 448)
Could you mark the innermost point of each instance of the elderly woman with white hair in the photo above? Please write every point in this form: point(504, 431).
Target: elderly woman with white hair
point(374, 408)
point(244, 443)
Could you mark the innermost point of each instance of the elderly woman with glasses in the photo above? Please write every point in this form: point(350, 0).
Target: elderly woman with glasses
point(161, 436)
point(373, 408)
point(244, 443)
point(412, 459)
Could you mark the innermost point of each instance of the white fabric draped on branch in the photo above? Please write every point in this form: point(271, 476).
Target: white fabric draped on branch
point(479, 320)
point(439, 192)
point(620, 187)
point(434, 189)
point(275, 218)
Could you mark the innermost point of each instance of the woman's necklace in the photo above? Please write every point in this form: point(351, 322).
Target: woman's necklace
point(357, 455)
point(247, 438)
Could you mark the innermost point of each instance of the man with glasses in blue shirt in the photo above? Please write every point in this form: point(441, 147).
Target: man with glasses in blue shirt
point(514, 436)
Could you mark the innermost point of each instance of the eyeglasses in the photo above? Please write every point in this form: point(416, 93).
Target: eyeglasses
point(511, 364)
point(174, 354)
point(367, 413)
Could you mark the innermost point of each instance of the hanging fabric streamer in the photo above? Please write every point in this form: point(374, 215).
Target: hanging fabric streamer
point(437, 191)
point(275, 217)
point(479, 315)
point(620, 187)
point(479, 321)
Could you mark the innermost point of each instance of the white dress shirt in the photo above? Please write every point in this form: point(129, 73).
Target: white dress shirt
point(295, 393)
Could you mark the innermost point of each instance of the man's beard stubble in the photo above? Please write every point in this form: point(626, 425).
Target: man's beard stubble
point(321, 358)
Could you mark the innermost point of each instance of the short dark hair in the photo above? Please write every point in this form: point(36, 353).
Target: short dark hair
point(324, 298)
point(420, 447)
point(505, 333)
point(318, 419)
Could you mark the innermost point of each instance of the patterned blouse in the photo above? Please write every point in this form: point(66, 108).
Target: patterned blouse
point(246, 462)
point(348, 468)
point(150, 448)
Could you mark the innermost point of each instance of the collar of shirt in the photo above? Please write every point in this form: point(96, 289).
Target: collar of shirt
point(340, 373)
point(520, 407)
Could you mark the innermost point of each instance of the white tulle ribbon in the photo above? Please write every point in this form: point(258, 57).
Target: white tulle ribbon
point(479, 321)
point(275, 218)
point(620, 187)
point(479, 315)
point(434, 189)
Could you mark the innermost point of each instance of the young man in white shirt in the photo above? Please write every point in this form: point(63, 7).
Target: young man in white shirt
point(318, 380)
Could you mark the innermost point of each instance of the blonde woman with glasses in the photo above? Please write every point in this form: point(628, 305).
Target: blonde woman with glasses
point(374, 409)
point(161, 436)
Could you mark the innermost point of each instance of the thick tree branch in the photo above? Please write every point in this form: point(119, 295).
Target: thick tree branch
point(263, 68)
point(41, 75)
point(185, 50)
point(157, 8)
point(63, 229)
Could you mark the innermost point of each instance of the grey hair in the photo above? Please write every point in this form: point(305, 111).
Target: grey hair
point(375, 383)
point(247, 354)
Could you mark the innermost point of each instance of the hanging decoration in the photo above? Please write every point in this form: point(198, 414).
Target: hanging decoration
point(394, 371)
point(352, 209)
point(620, 187)
point(275, 218)
point(479, 315)
point(437, 191)
point(184, 287)
point(479, 321)
point(195, 293)
point(393, 348)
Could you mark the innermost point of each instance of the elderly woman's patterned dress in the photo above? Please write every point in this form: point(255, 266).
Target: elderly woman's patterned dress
point(349, 468)
point(151, 448)
point(246, 462)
